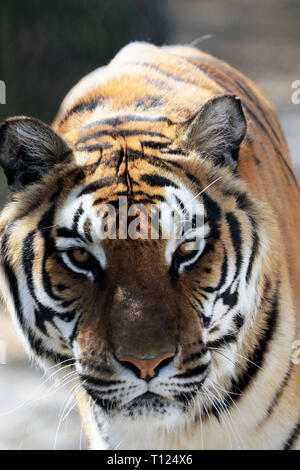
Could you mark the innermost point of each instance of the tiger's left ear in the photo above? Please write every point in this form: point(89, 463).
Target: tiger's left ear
point(28, 150)
point(217, 130)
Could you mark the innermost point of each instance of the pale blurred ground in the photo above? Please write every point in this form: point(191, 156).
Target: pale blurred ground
point(262, 40)
point(30, 409)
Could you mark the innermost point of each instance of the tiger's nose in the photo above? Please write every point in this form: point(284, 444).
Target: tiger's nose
point(146, 368)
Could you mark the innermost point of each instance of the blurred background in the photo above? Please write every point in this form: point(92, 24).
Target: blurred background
point(45, 48)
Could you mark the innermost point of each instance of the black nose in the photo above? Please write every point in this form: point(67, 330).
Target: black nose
point(146, 368)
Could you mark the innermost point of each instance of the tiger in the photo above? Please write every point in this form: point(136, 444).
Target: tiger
point(186, 339)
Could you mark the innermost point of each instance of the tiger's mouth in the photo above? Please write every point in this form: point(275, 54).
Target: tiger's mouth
point(147, 397)
point(148, 400)
point(148, 404)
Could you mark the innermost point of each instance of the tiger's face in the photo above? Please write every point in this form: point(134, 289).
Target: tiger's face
point(148, 322)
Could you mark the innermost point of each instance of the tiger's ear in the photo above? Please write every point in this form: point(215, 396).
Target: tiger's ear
point(217, 130)
point(28, 150)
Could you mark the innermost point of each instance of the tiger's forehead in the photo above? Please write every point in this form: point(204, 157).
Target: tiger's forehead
point(119, 155)
point(128, 130)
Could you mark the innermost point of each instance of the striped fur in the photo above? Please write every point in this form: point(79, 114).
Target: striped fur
point(129, 130)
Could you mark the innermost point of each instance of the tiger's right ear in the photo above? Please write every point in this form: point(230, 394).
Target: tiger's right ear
point(28, 150)
point(217, 130)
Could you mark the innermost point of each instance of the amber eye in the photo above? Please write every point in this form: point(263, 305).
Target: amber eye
point(186, 255)
point(82, 262)
point(81, 256)
point(186, 249)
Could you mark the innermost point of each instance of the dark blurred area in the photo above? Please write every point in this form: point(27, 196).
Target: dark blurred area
point(47, 46)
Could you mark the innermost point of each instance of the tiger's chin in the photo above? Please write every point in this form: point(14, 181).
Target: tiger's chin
point(145, 406)
point(152, 406)
point(139, 423)
point(137, 420)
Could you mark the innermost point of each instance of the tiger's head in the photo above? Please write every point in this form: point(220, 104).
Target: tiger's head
point(149, 320)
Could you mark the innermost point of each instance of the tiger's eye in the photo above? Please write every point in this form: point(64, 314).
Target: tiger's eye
point(186, 248)
point(81, 256)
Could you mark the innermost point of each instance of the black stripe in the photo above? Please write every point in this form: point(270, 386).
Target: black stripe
point(194, 180)
point(101, 369)
point(199, 302)
point(74, 333)
point(12, 279)
point(224, 270)
point(175, 164)
point(254, 251)
point(156, 180)
point(116, 121)
point(229, 298)
point(149, 102)
point(212, 209)
point(76, 217)
point(45, 225)
point(242, 201)
point(180, 203)
point(106, 405)
point(95, 185)
point(192, 372)
point(80, 108)
point(99, 382)
point(194, 356)
point(158, 162)
point(279, 391)
point(155, 145)
point(148, 198)
point(67, 233)
point(236, 238)
point(223, 341)
point(122, 133)
point(163, 72)
point(27, 258)
point(94, 147)
point(294, 433)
